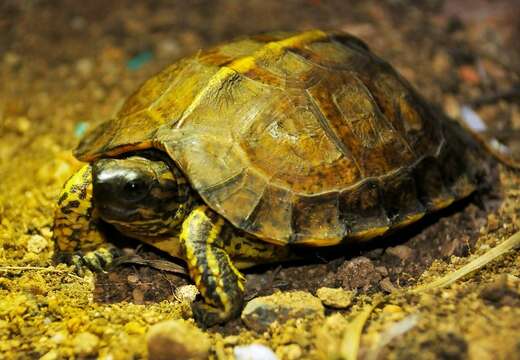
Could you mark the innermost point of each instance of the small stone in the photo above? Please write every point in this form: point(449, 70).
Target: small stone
point(493, 222)
point(392, 309)
point(382, 270)
point(358, 273)
point(23, 124)
point(132, 278)
point(11, 58)
point(186, 293)
point(133, 327)
point(503, 291)
point(138, 296)
point(254, 352)
point(289, 352)
point(177, 339)
point(386, 285)
point(336, 298)
point(403, 252)
point(168, 48)
point(451, 106)
point(86, 344)
point(469, 75)
point(231, 340)
point(51, 355)
point(261, 312)
point(36, 244)
point(441, 63)
point(59, 337)
point(84, 67)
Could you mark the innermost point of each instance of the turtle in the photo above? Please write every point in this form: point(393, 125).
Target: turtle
point(252, 150)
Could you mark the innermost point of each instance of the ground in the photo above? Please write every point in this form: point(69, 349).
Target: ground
point(66, 67)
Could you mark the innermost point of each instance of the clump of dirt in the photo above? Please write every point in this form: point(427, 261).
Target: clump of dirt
point(65, 68)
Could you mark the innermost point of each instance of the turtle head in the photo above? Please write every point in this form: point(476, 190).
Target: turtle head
point(141, 197)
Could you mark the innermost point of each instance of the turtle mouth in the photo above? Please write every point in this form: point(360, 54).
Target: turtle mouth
point(114, 213)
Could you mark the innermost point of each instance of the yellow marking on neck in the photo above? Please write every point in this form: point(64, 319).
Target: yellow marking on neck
point(246, 63)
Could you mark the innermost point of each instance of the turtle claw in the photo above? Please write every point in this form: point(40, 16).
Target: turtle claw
point(206, 315)
point(97, 261)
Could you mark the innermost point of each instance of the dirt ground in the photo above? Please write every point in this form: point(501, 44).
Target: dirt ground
point(67, 66)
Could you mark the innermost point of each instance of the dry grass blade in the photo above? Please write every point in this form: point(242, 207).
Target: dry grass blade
point(511, 243)
point(352, 334)
point(38, 268)
point(162, 265)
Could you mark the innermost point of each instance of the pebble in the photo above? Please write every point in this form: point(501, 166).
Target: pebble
point(138, 296)
point(86, 344)
point(177, 339)
point(504, 290)
point(132, 278)
point(261, 312)
point(441, 63)
point(186, 293)
point(168, 48)
point(254, 352)
point(386, 285)
point(358, 273)
point(393, 309)
point(84, 67)
point(289, 352)
point(403, 252)
point(23, 124)
point(469, 75)
point(36, 244)
point(451, 106)
point(336, 298)
point(11, 58)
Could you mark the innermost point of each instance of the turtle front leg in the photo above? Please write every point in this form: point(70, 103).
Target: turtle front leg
point(76, 226)
point(218, 280)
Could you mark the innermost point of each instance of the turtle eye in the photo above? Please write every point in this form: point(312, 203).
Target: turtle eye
point(135, 190)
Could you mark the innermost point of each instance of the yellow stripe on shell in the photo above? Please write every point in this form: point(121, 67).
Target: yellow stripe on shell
point(244, 64)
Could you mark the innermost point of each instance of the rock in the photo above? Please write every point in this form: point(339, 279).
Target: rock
point(177, 339)
point(441, 63)
point(254, 352)
point(289, 352)
point(392, 309)
point(86, 344)
point(469, 75)
point(36, 244)
point(451, 106)
point(336, 298)
point(84, 67)
point(503, 291)
point(261, 312)
point(382, 270)
point(358, 273)
point(387, 286)
point(186, 293)
point(403, 252)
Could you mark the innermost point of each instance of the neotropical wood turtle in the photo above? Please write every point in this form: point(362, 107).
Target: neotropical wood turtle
point(232, 157)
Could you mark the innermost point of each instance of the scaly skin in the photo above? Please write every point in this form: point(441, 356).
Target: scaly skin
point(207, 242)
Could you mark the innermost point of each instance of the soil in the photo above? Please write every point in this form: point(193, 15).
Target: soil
point(66, 67)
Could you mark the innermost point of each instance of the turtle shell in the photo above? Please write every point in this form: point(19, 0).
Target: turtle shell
point(303, 138)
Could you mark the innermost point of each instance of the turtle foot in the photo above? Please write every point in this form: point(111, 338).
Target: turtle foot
point(98, 260)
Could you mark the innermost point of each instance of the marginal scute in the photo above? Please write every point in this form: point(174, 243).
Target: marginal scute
point(361, 209)
point(297, 137)
point(399, 197)
point(316, 219)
